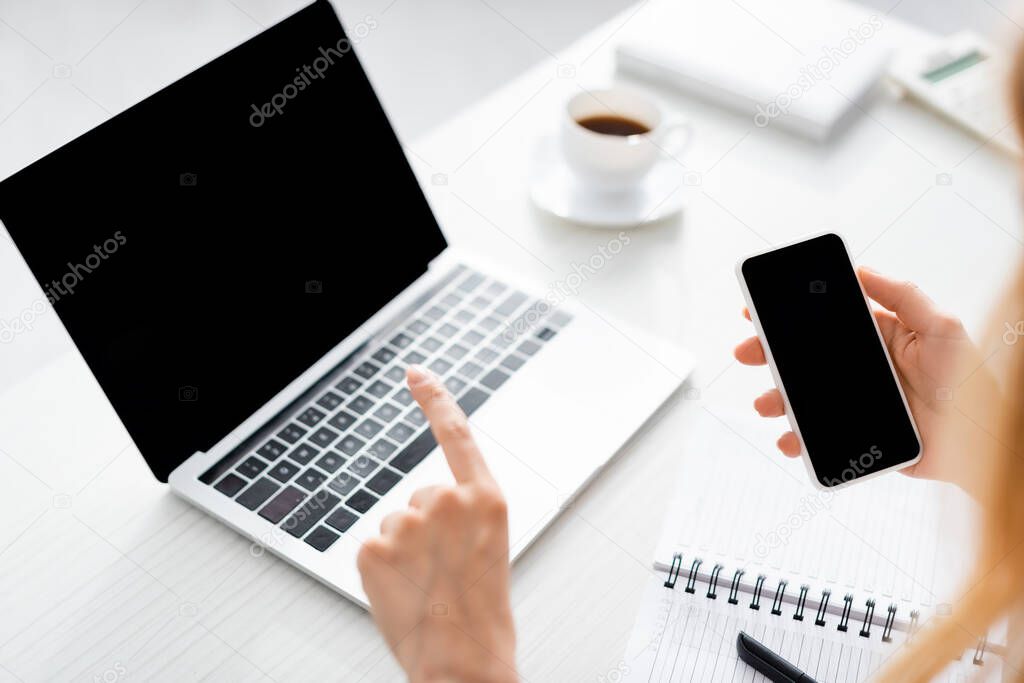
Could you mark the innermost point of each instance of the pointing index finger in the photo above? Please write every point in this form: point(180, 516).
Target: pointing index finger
point(449, 425)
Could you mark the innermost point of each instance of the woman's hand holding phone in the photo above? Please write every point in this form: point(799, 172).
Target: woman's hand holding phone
point(934, 359)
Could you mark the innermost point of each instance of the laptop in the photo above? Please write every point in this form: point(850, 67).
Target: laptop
point(247, 264)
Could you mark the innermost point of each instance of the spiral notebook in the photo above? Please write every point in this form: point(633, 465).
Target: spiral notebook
point(835, 582)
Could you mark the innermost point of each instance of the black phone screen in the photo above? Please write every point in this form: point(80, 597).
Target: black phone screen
point(832, 364)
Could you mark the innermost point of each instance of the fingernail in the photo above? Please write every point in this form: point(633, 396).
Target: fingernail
point(417, 374)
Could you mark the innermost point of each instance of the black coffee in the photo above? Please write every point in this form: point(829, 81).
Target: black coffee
point(613, 125)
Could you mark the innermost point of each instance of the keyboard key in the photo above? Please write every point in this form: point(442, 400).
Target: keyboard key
point(384, 355)
point(257, 494)
point(480, 302)
point(465, 315)
point(400, 432)
point(387, 412)
point(330, 401)
point(440, 366)
point(471, 282)
point(383, 481)
point(341, 519)
point(545, 333)
point(283, 471)
point(311, 479)
point(251, 467)
point(486, 355)
point(504, 340)
point(559, 319)
point(418, 327)
point(272, 450)
point(472, 337)
point(361, 501)
point(322, 538)
point(416, 417)
point(414, 452)
point(399, 341)
point(343, 484)
point(529, 347)
point(331, 462)
point(362, 466)
point(489, 324)
point(455, 385)
point(456, 351)
point(230, 485)
point(512, 362)
point(349, 385)
point(303, 454)
point(306, 517)
point(379, 389)
point(447, 330)
point(350, 445)
point(434, 313)
point(310, 416)
point(494, 379)
point(382, 449)
point(342, 420)
point(470, 370)
point(451, 300)
point(369, 428)
point(431, 344)
point(360, 404)
point(324, 437)
point(281, 504)
point(396, 373)
point(414, 357)
point(510, 304)
point(291, 433)
point(403, 397)
point(496, 288)
point(472, 399)
point(367, 370)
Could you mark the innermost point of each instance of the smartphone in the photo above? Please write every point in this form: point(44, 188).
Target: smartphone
point(829, 361)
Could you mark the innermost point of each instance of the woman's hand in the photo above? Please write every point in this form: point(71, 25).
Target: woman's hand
point(934, 358)
point(438, 575)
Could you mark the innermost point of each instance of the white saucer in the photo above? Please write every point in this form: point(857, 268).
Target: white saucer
point(558, 191)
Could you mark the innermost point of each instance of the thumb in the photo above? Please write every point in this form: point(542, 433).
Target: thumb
point(904, 298)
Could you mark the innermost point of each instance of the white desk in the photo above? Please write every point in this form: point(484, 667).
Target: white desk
point(98, 576)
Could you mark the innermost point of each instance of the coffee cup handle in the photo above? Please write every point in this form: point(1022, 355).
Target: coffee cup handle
point(675, 138)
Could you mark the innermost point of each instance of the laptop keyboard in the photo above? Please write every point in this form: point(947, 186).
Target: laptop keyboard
point(335, 457)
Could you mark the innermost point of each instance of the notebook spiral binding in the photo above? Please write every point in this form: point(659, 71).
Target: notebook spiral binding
point(675, 569)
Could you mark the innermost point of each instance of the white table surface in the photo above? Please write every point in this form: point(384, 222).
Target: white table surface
point(100, 573)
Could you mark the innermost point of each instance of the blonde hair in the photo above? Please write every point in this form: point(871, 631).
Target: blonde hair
point(995, 588)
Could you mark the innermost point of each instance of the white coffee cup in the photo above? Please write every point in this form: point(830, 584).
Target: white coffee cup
point(618, 162)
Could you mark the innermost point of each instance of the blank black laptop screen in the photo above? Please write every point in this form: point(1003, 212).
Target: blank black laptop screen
point(209, 244)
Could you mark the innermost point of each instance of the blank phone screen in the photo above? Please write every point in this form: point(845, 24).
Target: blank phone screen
point(832, 364)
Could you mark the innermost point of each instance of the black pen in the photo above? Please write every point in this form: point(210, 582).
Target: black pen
point(772, 666)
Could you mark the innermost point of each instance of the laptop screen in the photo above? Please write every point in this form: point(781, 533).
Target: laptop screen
point(209, 244)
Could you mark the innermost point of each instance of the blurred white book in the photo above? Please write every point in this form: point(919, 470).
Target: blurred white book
point(805, 65)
